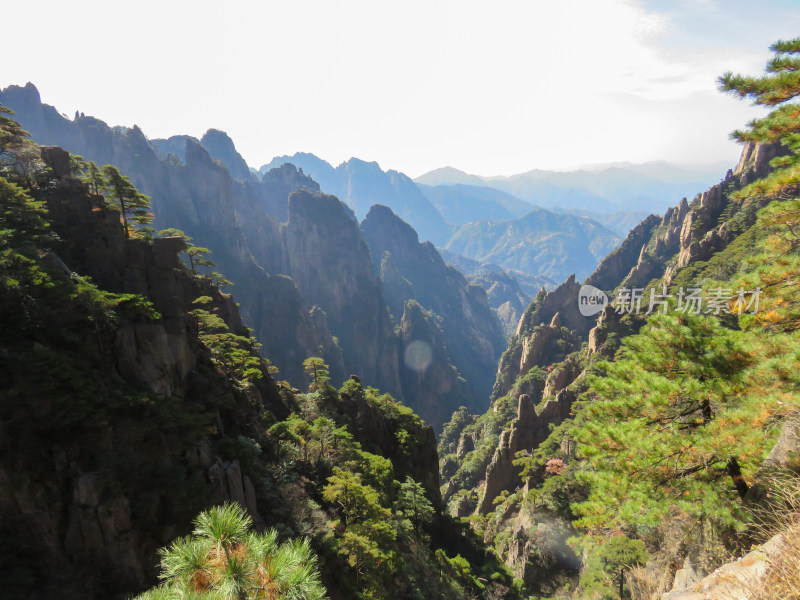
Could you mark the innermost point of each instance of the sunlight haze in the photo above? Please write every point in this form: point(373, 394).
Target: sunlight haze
point(492, 89)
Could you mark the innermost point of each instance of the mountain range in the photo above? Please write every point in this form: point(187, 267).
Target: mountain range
point(304, 274)
point(545, 243)
point(649, 187)
point(361, 184)
point(603, 449)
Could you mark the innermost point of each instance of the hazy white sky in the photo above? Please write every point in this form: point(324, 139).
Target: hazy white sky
point(488, 87)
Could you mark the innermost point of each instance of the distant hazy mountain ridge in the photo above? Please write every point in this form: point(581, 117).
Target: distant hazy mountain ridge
point(361, 184)
point(650, 187)
point(545, 243)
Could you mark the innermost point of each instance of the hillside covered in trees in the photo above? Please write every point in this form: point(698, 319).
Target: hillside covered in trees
point(635, 452)
point(133, 398)
point(641, 432)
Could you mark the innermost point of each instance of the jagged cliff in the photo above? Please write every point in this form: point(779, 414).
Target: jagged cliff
point(360, 184)
point(119, 415)
point(197, 194)
point(303, 274)
point(450, 315)
point(544, 366)
point(508, 292)
point(108, 436)
point(656, 248)
point(332, 268)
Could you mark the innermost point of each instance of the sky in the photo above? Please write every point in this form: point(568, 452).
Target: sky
point(491, 88)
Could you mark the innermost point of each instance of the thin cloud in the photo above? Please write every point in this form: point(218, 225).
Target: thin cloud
point(488, 88)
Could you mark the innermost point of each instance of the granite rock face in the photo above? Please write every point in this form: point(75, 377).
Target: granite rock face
point(220, 146)
point(548, 380)
point(307, 283)
point(614, 267)
point(464, 329)
point(361, 184)
point(238, 216)
point(92, 494)
point(195, 193)
point(331, 266)
point(527, 431)
point(550, 318)
point(427, 375)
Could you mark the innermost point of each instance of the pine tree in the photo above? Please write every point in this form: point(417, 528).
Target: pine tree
point(133, 205)
point(604, 576)
point(94, 178)
point(195, 253)
point(413, 505)
point(355, 500)
point(224, 560)
point(667, 425)
point(237, 354)
point(12, 136)
point(316, 368)
point(778, 88)
point(20, 158)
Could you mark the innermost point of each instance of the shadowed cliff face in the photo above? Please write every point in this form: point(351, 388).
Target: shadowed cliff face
point(110, 454)
point(220, 147)
point(453, 316)
point(331, 266)
point(120, 422)
point(307, 282)
point(194, 193)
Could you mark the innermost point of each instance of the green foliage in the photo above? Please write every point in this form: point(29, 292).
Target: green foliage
point(23, 222)
point(20, 159)
point(318, 371)
point(412, 504)
point(778, 88)
point(195, 253)
point(531, 381)
point(236, 354)
point(34, 286)
point(93, 177)
point(133, 205)
point(448, 440)
point(380, 539)
point(224, 560)
point(604, 576)
point(12, 136)
point(486, 430)
point(679, 380)
point(356, 501)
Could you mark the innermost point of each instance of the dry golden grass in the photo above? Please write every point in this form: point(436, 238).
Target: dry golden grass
point(781, 580)
point(648, 583)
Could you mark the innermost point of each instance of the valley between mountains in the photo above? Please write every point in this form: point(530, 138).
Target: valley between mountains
point(301, 381)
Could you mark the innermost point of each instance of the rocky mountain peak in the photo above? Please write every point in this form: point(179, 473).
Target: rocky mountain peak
point(221, 148)
point(382, 222)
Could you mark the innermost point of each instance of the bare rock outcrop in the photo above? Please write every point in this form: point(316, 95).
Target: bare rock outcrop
point(732, 581)
point(343, 283)
point(526, 432)
point(468, 333)
point(616, 266)
point(98, 493)
point(562, 300)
